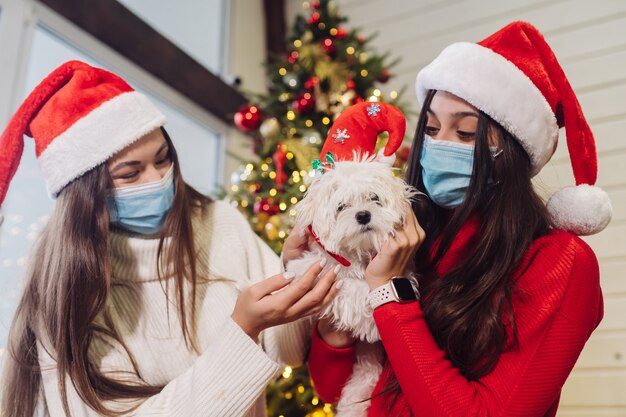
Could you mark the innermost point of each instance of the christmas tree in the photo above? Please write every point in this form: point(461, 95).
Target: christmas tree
point(326, 69)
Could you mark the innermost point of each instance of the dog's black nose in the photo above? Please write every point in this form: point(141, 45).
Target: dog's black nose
point(363, 217)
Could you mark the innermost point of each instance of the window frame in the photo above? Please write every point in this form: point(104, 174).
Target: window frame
point(18, 20)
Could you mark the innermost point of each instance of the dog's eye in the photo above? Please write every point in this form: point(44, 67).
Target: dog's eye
point(341, 208)
point(376, 199)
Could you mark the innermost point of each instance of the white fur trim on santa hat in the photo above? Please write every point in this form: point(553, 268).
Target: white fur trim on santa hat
point(96, 137)
point(582, 210)
point(496, 86)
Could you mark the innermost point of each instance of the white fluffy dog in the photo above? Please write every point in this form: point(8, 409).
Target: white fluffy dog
point(351, 209)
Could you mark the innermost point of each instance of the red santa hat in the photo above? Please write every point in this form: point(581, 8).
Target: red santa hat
point(514, 77)
point(356, 129)
point(79, 116)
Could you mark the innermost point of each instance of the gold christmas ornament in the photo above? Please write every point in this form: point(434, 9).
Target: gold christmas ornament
point(335, 72)
point(303, 153)
point(260, 221)
point(309, 54)
point(311, 137)
point(271, 231)
point(270, 128)
point(275, 220)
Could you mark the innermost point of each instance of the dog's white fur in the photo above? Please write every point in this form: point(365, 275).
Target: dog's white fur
point(330, 207)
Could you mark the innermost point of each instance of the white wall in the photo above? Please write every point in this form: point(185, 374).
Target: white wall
point(195, 26)
point(589, 38)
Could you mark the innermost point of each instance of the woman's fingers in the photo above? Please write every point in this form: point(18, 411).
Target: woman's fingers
point(271, 284)
point(280, 299)
point(402, 239)
point(303, 285)
point(415, 223)
point(299, 288)
point(332, 293)
point(296, 243)
point(317, 295)
point(413, 231)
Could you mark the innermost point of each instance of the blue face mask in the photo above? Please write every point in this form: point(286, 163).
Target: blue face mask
point(142, 208)
point(446, 170)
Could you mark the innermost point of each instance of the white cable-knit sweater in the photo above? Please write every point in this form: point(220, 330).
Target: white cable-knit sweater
point(228, 378)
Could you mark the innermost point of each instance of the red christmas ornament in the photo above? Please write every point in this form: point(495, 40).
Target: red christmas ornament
point(384, 76)
point(314, 19)
point(305, 103)
point(280, 157)
point(315, 5)
point(266, 205)
point(356, 99)
point(403, 153)
point(293, 57)
point(329, 46)
point(350, 85)
point(248, 118)
point(311, 82)
point(341, 33)
point(402, 156)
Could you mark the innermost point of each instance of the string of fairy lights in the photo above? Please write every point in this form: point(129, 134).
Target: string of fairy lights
point(320, 409)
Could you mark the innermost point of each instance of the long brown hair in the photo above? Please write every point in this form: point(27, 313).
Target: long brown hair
point(469, 307)
point(67, 287)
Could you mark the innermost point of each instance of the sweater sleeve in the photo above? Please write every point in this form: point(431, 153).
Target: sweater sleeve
point(329, 367)
point(559, 306)
point(222, 382)
point(287, 343)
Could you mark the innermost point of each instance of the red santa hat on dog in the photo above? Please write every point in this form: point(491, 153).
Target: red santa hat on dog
point(353, 136)
point(514, 77)
point(358, 127)
point(79, 116)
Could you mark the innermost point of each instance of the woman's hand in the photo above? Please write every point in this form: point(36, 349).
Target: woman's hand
point(298, 242)
point(336, 338)
point(396, 253)
point(262, 305)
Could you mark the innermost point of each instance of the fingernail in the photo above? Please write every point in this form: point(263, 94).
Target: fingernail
point(337, 269)
point(323, 262)
point(339, 284)
point(289, 275)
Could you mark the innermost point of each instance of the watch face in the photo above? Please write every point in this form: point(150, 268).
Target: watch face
point(404, 289)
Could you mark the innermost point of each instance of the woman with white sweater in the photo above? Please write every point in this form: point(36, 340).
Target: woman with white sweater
point(143, 297)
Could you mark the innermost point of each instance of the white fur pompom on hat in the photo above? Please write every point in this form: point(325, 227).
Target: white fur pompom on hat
point(514, 77)
point(583, 209)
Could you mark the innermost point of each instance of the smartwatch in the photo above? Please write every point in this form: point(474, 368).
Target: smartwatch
point(398, 289)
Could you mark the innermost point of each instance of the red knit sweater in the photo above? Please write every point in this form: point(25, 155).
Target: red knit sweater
point(557, 306)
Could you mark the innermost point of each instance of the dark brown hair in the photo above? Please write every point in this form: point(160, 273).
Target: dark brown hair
point(67, 287)
point(466, 309)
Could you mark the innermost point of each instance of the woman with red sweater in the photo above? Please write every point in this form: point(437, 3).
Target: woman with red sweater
point(509, 293)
